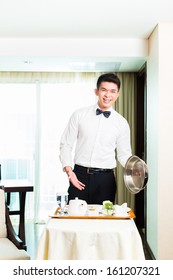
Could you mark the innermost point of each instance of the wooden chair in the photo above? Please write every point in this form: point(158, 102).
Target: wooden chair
point(11, 246)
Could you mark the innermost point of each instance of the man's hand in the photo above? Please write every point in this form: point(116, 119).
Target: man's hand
point(73, 178)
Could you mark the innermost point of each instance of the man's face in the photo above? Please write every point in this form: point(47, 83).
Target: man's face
point(107, 95)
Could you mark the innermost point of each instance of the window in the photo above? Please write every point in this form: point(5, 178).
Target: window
point(32, 120)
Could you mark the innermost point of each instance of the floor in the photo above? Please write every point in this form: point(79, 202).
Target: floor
point(33, 232)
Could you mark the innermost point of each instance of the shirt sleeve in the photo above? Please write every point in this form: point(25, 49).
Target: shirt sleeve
point(124, 145)
point(67, 141)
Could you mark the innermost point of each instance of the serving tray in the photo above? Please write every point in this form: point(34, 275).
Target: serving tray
point(130, 215)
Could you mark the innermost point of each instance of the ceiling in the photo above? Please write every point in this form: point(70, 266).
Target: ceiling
point(108, 19)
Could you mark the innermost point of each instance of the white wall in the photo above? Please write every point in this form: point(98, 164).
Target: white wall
point(73, 47)
point(152, 142)
point(160, 139)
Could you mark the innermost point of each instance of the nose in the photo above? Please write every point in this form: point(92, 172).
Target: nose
point(107, 93)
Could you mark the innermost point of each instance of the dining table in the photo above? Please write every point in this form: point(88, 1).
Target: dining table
point(21, 187)
point(90, 238)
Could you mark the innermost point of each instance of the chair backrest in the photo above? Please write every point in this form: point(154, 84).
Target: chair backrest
point(3, 228)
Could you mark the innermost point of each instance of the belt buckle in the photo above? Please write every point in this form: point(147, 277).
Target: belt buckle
point(88, 171)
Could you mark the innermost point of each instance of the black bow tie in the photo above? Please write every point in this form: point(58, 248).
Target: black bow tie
point(105, 113)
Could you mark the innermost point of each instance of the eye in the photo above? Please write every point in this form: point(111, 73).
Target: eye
point(103, 89)
point(114, 91)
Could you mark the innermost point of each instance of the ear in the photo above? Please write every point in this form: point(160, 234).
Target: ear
point(96, 92)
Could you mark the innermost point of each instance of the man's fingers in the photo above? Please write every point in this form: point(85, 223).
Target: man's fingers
point(81, 184)
point(76, 183)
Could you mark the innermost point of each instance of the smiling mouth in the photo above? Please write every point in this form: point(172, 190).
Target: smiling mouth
point(107, 100)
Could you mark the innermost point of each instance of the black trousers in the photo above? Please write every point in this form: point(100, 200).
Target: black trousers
point(99, 186)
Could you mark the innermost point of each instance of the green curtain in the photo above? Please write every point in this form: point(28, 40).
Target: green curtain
point(126, 106)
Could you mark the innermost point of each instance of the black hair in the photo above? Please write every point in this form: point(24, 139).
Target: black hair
point(109, 77)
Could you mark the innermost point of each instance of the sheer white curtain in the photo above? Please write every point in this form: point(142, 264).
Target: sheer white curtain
point(17, 135)
point(33, 130)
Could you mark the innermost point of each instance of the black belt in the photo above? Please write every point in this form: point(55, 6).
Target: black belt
point(91, 170)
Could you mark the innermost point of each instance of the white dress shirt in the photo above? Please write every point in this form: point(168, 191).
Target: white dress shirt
point(96, 138)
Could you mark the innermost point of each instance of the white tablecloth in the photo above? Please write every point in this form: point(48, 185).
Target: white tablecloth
point(87, 239)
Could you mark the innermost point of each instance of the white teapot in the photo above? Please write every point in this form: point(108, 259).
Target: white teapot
point(77, 207)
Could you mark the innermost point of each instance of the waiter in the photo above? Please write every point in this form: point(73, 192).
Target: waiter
point(100, 135)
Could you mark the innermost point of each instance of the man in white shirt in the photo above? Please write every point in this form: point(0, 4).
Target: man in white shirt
point(98, 131)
